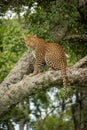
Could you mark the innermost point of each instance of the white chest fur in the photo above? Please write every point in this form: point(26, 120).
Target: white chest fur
point(33, 52)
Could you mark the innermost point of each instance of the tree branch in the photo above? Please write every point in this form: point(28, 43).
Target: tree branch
point(32, 85)
point(59, 31)
point(81, 63)
point(76, 38)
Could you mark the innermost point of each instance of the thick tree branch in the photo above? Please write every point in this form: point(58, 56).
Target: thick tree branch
point(76, 38)
point(81, 63)
point(32, 85)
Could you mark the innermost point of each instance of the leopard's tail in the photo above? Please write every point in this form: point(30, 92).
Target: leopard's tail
point(63, 71)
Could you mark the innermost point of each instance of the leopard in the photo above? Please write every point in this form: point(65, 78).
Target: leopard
point(52, 53)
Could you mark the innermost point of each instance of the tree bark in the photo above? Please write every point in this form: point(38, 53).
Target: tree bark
point(77, 38)
point(82, 8)
point(75, 116)
point(21, 124)
point(59, 31)
point(10, 126)
point(13, 91)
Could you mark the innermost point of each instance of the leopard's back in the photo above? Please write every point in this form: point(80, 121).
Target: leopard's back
point(55, 56)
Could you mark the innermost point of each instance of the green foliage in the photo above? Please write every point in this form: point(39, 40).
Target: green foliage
point(16, 114)
point(13, 46)
point(49, 123)
point(54, 122)
point(42, 20)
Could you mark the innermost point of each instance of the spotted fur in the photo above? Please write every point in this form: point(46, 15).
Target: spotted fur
point(52, 53)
